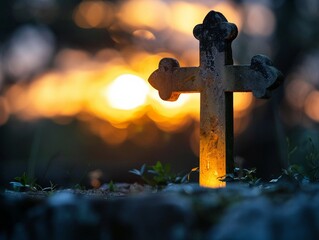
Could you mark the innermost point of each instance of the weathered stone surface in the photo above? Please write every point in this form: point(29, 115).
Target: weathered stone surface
point(248, 220)
point(215, 79)
point(179, 212)
point(152, 217)
point(264, 219)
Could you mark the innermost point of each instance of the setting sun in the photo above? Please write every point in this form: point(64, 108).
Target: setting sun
point(127, 92)
point(111, 84)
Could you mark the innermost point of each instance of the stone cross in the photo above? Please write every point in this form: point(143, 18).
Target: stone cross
point(215, 79)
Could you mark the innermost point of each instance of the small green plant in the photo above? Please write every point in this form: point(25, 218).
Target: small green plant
point(51, 188)
point(192, 171)
point(309, 168)
point(243, 175)
point(159, 175)
point(312, 160)
point(304, 171)
point(293, 174)
point(79, 186)
point(290, 150)
point(112, 186)
point(24, 183)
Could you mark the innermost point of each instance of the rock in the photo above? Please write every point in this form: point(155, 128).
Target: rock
point(66, 215)
point(62, 216)
point(245, 220)
point(159, 216)
point(178, 212)
point(296, 219)
point(263, 218)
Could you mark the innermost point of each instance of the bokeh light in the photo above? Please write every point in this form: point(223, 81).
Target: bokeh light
point(4, 111)
point(94, 14)
point(312, 105)
point(108, 89)
point(260, 20)
point(154, 14)
point(186, 15)
point(29, 50)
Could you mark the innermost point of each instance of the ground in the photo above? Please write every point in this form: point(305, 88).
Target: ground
point(185, 211)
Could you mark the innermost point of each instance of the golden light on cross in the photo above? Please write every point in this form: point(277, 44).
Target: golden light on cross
point(216, 78)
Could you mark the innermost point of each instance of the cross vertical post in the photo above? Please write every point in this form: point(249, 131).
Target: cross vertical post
point(215, 79)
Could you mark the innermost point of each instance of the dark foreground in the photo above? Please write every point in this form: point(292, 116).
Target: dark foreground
point(178, 212)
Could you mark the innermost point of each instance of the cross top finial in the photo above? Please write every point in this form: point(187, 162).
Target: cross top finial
point(216, 31)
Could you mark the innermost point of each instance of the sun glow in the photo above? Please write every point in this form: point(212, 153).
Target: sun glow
point(108, 90)
point(127, 92)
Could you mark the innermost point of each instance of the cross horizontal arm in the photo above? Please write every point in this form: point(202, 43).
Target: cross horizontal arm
point(171, 80)
point(260, 77)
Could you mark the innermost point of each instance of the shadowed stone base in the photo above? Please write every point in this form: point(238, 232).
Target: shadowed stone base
point(178, 212)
